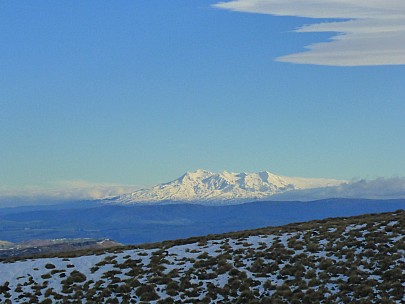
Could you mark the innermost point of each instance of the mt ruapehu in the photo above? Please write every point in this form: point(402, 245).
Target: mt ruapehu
point(205, 186)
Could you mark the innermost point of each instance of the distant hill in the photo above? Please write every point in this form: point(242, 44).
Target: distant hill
point(43, 247)
point(342, 260)
point(5, 244)
point(226, 187)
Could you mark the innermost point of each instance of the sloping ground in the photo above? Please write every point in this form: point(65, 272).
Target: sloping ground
point(346, 260)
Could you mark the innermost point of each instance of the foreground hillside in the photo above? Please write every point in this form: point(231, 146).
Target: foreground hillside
point(345, 260)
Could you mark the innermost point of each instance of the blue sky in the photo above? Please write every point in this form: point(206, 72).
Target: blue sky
point(138, 92)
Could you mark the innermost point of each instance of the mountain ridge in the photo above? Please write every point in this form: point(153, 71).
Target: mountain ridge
point(226, 187)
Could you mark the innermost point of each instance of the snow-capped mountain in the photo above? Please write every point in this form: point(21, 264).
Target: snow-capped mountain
point(207, 186)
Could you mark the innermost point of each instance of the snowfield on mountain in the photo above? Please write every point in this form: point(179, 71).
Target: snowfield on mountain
point(204, 186)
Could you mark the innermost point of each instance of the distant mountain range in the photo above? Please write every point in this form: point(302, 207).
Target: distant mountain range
point(205, 186)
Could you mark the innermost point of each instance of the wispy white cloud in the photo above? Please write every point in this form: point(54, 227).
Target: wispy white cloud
point(61, 191)
point(380, 188)
point(372, 32)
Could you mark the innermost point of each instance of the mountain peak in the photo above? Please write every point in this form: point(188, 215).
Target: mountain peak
point(194, 175)
point(205, 186)
point(198, 172)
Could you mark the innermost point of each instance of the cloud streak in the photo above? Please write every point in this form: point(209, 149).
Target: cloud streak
point(380, 188)
point(61, 191)
point(371, 32)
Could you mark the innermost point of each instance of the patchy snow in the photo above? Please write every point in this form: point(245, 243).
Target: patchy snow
point(262, 262)
point(355, 227)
